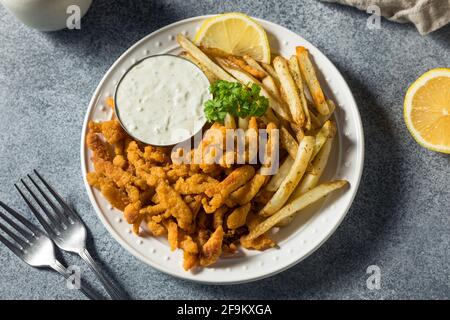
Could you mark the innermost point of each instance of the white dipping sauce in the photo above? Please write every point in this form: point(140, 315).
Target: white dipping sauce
point(160, 100)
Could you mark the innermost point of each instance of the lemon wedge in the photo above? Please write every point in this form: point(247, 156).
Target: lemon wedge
point(235, 33)
point(427, 110)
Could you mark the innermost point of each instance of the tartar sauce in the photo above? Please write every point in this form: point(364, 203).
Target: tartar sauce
point(160, 100)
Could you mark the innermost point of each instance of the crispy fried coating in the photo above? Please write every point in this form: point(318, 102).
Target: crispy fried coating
point(172, 234)
point(247, 192)
point(175, 205)
point(111, 130)
point(190, 253)
point(196, 184)
point(238, 217)
point(212, 249)
point(189, 203)
point(233, 181)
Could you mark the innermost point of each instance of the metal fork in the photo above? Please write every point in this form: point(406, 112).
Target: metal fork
point(32, 246)
point(65, 228)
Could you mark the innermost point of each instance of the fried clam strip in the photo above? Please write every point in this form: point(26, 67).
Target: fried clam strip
point(246, 79)
point(261, 242)
point(175, 205)
point(238, 217)
point(288, 185)
point(212, 249)
point(99, 148)
point(172, 233)
point(111, 130)
point(309, 74)
point(295, 206)
point(218, 216)
point(247, 192)
point(203, 59)
point(196, 184)
point(117, 197)
point(290, 89)
point(221, 191)
point(190, 252)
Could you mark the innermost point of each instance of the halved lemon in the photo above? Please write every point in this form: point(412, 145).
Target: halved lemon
point(427, 110)
point(235, 33)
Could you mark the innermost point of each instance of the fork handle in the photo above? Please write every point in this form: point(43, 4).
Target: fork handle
point(88, 292)
point(110, 287)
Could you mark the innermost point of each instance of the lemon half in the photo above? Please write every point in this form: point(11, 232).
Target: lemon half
point(427, 110)
point(235, 33)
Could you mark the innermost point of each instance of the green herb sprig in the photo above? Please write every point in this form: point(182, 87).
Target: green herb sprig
point(235, 99)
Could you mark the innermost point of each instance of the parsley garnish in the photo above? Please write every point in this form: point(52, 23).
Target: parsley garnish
point(235, 99)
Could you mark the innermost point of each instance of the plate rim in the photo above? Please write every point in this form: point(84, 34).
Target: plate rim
point(137, 254)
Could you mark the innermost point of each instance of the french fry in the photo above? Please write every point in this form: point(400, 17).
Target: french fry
point(211, 76)
point(313, 84)
point(327, 131)
point(243, 123)
point(253, 69)
point(229, 122)
point(299, 133)
point(288, 142)
point(214, 52)
point(295, 206)
point(247, 79)
point(296, 75)
point(239, 62)
point(281, 174)
point(271, 86)
point(254, 64)
point(271, 71)
point(310, 179)
point(288, 185)
point(290, 89)
point(322, 119)
point(203, 59)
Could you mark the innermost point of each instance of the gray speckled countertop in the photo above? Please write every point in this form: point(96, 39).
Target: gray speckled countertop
point(398, 221)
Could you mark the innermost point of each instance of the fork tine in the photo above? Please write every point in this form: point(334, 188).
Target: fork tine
point(58, 212)
point(57, 196)
point(22, 243)
point(34, 230)
point(11, 246)
point(26, 234)
point(56, 223)
point(36, 213)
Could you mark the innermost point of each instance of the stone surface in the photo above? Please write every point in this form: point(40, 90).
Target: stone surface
point(399, 219)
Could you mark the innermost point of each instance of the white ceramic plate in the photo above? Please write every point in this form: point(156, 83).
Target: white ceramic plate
point(296, 241)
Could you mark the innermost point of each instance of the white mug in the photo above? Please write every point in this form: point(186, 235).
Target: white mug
point(46, 15)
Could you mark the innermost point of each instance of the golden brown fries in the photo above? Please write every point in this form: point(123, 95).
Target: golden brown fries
point(276, 180)
point(203, 59)
point(313, 84)
point(293, 207)
point(296, 75)
point(294, 176)
point(255, 64)
point(290, 89)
